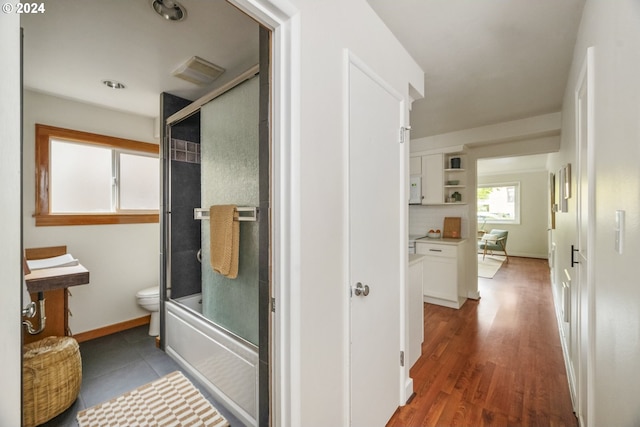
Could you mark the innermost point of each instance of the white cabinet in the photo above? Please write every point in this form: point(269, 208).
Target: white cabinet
point(415, 165)
point(432, 179)
point(443, 271)
point(443, 179)
point(415, 310)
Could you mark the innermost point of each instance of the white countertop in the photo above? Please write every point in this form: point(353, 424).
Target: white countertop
point(441, 241)
point(413, 258)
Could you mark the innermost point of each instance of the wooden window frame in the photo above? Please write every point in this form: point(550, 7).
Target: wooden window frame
point(43, 215)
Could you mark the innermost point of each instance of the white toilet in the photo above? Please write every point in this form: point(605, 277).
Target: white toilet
point(149, 299)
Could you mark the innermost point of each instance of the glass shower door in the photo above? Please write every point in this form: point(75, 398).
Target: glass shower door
point(230, 175)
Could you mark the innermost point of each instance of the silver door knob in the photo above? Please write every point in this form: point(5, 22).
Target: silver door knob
point(361, 289)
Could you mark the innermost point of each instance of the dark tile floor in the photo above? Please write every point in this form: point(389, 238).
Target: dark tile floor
point(118, 363)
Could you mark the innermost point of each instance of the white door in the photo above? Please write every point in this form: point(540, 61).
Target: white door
point(585, 215)
point(376, 194)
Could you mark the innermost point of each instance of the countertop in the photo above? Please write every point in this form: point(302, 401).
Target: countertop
point(413, 258)
point(49, 279)
point(441, 241)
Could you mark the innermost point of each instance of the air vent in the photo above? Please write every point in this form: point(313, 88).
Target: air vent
point(198, 71)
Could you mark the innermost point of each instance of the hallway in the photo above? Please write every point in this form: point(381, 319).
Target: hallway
point(495, 362)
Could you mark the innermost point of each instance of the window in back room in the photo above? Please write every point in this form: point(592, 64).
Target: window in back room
point(499, 203)
point(86, 178)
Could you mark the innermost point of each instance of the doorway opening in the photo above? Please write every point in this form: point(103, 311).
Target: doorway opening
point(274, 20)
point(513, 211)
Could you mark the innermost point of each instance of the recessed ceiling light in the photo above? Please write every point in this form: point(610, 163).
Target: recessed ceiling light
point(169, 9)
point(113, 84)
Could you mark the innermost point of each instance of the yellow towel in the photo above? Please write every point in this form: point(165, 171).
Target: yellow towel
point(225, 236)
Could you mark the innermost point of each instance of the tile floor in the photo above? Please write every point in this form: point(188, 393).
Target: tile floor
point(117, 363)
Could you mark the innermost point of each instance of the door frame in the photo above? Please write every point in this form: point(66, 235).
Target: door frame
point(282, 19)
point(586, 371)
point(404, 384)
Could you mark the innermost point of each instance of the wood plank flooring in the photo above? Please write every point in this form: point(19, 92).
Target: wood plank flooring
point(495, 362)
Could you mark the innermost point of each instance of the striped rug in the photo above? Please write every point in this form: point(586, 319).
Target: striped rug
point(170, 401)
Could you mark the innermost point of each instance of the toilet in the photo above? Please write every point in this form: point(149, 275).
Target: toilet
point(149, 299)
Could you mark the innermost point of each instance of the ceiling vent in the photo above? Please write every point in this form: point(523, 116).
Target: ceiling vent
point(198, 71)
point(169, 9)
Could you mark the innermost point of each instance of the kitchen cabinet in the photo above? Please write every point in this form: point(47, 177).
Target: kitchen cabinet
point(415, 310)
point(443, 271)
point(442, 178)
point(432, 179)
point(415, 165)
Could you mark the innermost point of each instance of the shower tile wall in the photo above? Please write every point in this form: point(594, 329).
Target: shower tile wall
point(186, 275)
point(185, 151)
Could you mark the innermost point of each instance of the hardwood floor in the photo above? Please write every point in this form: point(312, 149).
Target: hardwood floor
point(495, 362)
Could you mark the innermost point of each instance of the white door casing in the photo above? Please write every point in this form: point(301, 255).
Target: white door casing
point(375, 256)
point(585, 229)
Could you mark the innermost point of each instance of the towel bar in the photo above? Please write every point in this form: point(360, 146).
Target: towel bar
point(203, 213)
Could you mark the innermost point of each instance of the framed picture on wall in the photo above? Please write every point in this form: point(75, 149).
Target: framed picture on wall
point(567, 181)
point(552, 200)
point(563, 205)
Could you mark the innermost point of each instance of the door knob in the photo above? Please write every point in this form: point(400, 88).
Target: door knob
point(361, 290)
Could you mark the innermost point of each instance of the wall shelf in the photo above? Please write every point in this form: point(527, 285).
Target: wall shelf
point(436, 171)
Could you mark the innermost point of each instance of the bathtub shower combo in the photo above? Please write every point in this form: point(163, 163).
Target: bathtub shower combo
point(210, 323)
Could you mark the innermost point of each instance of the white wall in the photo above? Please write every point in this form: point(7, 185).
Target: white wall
point(327, 28)
point(425, 218)
point(10, 258)
point(529, 238)
point(122, 258)
point(613, 28)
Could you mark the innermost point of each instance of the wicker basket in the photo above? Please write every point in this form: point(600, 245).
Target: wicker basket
point(51, 378)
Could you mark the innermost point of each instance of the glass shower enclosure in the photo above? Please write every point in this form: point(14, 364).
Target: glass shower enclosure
point(210, 324)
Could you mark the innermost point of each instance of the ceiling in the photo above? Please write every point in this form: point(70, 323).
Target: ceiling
point(485, 61)
point(75, 45)
point(513, 165)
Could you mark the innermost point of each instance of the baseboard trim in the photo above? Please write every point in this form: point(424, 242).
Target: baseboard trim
point(112, 329)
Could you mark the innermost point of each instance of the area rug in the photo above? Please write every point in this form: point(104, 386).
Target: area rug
point(488, 267)
point(169, 401)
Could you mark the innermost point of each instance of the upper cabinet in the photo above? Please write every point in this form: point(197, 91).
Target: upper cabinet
point(443, 177)
point(432, 179)
point(415, 165)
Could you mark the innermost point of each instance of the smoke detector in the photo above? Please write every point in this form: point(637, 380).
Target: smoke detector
point(198, 71)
